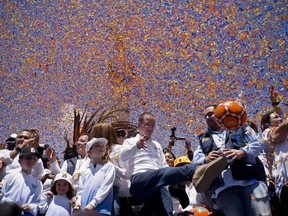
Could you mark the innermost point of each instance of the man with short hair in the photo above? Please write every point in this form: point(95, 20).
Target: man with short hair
point(236, 195)
point(149, 171)
point(25, 137)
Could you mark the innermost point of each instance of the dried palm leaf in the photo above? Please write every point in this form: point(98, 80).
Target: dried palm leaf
point(83, 124)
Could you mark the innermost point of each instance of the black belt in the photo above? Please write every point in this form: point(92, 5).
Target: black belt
point(130, 200)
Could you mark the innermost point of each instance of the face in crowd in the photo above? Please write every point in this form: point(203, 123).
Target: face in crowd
point(28, 163)
point(169, 159)
point(97, 150)
point(210, 119)
point(147, 125)
point(62, 187)
point(22, 136)
point(275, 120)
point(81, 144)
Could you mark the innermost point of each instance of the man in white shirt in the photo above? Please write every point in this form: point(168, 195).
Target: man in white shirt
point(25, 137)
point(149, 171)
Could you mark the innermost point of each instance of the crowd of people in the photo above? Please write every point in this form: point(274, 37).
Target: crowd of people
point(232, 172)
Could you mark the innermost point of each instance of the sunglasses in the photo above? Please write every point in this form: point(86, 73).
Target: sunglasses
point(120, 133)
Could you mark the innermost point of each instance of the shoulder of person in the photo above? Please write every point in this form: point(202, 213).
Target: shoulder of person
point(108, 166)
point(203, 135)
point(158, 145)
point(130, 141)
point(116, 147)
point(5, 153)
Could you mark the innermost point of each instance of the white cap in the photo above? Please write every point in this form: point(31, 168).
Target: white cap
point(13, 135)
point(95, 140)
point(65, 176)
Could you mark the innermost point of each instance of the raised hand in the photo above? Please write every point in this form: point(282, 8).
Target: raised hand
point(141, 143)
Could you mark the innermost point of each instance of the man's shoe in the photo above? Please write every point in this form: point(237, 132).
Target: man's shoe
point(206, 173)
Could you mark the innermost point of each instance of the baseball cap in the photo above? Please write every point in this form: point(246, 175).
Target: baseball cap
point(95, 140)
point(12, 138)
point(11, 142)
point(27, 151)
point(64, 176)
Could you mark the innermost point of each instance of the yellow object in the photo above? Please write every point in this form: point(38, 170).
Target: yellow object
point(182, 160)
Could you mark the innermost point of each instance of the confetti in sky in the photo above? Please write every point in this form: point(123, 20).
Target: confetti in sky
point(171, 58)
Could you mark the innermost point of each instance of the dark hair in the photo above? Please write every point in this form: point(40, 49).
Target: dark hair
point(265, 120)
point(25, 130)
point(141, 117)
point(45, 161)
point(213, 105)
point(252, 125)
point(10, 208)
point(70, 152)
point(166, 150)
point(84, 134)
point(70, 193)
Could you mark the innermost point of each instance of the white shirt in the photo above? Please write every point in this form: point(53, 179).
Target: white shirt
point(280, 160)
point(122, 179)
point(142, 160)
point(57, 206)
point(48, 182)
point(81, 164)
point(95, 183)
point(5, 153)
point(22, 188)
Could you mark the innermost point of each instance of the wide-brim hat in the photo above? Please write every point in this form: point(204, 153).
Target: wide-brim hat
point(94, 140)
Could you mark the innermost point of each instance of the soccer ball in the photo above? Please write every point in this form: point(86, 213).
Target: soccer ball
point(200, 211)
point(231, 115)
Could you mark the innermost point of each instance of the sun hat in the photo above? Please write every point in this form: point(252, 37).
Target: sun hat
point(95, 140)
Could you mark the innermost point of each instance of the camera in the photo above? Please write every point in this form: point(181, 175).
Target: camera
point(173, 132)
point(173, 137)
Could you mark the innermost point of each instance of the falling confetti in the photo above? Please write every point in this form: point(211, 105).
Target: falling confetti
point(172, 59)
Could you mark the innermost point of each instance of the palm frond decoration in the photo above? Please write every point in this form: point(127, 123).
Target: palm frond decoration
point(117, 125)
point(84, 124)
